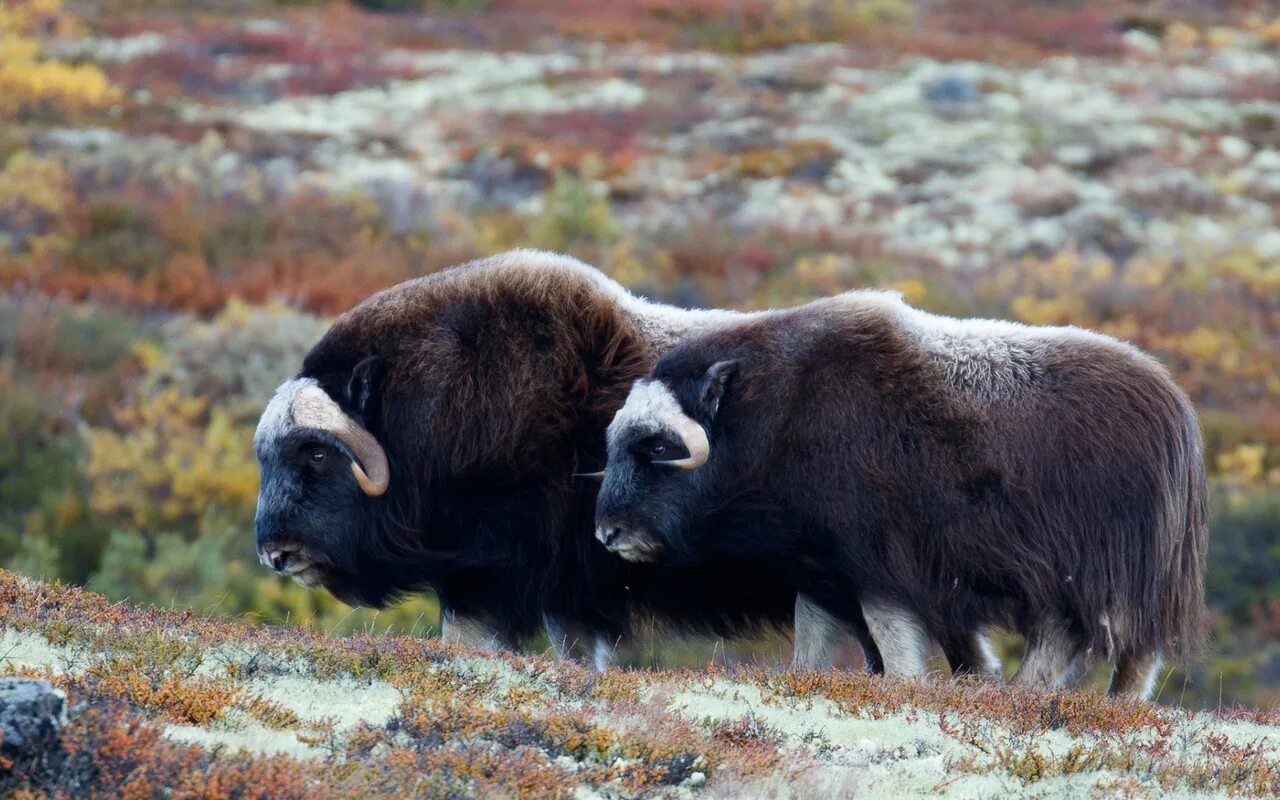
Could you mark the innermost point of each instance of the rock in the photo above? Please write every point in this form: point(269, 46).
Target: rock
point(1140, 41)
point(32, 712)
point(952, 89)
point(697, 779)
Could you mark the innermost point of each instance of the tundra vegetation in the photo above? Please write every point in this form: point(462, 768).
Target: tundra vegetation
point(168, 704)
point(188, 191)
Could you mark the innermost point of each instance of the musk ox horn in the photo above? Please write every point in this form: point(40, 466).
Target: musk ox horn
point(314, 408)
point(695, 441)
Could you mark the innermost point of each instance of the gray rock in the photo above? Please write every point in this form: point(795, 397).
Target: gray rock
point(952, 89)
point(32, 712)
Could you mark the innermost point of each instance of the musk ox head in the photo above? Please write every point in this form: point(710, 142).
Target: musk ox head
point(322, 471)
point(661, 466)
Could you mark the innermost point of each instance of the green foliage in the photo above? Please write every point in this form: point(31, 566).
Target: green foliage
point(575, 216)
point(119, 236)
point(45, 524)
point(1244, 552)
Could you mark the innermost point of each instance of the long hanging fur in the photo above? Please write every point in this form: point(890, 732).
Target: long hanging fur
point(975, 472)
point(500, 378)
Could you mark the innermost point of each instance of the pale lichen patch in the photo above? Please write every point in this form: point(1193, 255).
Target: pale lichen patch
point(244, 735)
point(344, 702)
point(29, 650)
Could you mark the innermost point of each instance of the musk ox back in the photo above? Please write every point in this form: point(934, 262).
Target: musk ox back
point(430, 440)
point(1048, 480)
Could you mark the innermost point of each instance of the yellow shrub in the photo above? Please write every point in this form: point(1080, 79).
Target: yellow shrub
point(30, 83)
point(164, 464)
point(1243, 464)
point(34, 196)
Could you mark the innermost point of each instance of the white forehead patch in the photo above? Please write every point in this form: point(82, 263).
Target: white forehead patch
point(277, 417)
point(650, 406)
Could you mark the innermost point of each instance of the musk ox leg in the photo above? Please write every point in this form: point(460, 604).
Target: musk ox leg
point(817, 634)
point(972, 654)
point(602, 652)
point(1053, 654)
point(1135, 676)
point(901, 638)
point(568, 640)
point(457, 628)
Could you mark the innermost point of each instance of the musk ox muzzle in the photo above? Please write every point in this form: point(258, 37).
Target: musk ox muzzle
point(630, 543)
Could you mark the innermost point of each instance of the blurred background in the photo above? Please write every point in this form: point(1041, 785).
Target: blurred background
point(189, 191)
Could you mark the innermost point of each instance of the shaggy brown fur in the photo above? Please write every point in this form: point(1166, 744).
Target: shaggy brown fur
point(975, 473)
point(496, 381)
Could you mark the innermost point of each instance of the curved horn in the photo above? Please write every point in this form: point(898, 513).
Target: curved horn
point(695, 441)
point(313, 408)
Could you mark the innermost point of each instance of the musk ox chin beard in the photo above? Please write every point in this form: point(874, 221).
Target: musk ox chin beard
point(304, 566)
point(309, 577)
point(637, 550)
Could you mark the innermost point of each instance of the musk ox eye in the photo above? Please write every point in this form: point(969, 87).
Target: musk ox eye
point(318, 455)
point(656, 449)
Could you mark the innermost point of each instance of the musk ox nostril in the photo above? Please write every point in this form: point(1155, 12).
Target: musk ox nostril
point(607, 533)
point(278, 559)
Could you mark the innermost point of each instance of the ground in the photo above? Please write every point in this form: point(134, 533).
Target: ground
point(167, 704)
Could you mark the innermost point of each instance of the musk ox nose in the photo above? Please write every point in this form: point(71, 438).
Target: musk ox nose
point(607, 533)
point(273, 559)
point(275, 556)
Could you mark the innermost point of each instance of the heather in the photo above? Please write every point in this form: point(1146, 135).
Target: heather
point(172, 705)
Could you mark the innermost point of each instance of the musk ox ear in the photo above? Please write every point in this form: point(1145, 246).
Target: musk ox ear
point(364, 390)
point(713, 386)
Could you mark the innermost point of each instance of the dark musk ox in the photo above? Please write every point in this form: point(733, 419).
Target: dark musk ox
point(431, 440)
point(967, 472)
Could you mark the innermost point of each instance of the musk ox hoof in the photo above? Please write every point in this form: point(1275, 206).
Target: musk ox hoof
point(32, 713)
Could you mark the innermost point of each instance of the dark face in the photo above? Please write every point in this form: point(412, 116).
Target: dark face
point(310, 507)
point(314, 506)
point(661, 473)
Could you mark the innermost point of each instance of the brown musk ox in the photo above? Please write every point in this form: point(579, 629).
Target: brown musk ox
point(431, 440)
point(970, 472)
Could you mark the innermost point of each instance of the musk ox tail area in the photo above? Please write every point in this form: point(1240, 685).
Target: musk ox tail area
point(1184, 620)
point(1163, 610)
point(1118, 506)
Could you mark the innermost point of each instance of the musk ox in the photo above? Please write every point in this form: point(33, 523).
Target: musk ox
point(431, 440)
point(972, 473)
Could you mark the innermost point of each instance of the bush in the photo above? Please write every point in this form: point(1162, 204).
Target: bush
point(574, 218)
point(56, 364)
point(1244, 553)
point(31, 85)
